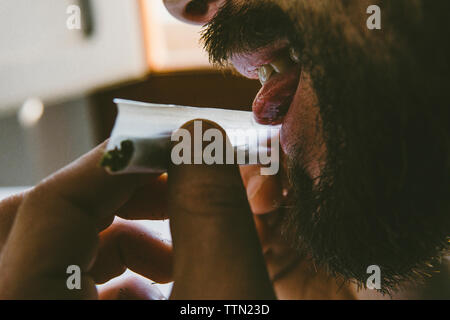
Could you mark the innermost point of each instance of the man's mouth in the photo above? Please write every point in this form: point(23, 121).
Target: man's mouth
point(277, 67)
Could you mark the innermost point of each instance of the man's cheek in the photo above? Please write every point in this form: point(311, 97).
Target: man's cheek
point(301, 132)
point(296, 127)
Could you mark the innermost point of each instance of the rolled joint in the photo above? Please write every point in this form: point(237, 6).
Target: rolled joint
point(118, 158)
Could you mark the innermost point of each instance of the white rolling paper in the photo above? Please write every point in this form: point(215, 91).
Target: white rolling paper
point(141, 136)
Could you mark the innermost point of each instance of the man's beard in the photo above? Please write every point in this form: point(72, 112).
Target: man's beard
point(381, 198)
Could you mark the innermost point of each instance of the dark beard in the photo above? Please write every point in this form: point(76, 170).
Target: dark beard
point(383, 194)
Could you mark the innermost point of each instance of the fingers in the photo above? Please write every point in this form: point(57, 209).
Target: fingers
point(130, 288)
point(147, 202)
point(217, 254)
point(266, 198)
point(57, 225)
point(8, 210)
point(129, 245)
point(87, 185)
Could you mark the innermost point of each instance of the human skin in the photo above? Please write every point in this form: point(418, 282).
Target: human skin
point(105, 249)
point(300, 279)
point(364, 178)
point(75, 209)
point(67, 220)
point(209, 239)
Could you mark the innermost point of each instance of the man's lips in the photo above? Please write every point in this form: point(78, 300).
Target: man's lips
point(275, 97)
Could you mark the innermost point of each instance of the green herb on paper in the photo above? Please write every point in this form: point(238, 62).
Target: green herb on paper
point(118, 158)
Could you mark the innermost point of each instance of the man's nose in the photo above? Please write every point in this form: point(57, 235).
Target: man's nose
point(194, 11)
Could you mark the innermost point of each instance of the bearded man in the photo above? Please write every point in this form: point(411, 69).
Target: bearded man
point(366, 178)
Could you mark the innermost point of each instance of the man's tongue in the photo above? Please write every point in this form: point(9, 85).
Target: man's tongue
point(273, 100)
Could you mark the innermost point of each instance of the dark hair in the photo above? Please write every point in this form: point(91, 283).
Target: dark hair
point(383, 197)
point(384, 194)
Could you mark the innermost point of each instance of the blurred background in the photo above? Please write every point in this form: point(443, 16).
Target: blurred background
point(57, 84)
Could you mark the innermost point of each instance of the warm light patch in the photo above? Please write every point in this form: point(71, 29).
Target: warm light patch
point(30, 112)
point(171, 45)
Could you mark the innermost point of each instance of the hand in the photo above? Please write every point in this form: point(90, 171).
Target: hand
point(267, 196)
point(217, 254)
point(68, 220)
point(293, 276)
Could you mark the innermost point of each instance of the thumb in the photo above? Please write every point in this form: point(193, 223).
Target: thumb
point(217, 254)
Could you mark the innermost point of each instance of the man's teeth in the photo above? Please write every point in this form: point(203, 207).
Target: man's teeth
point(265, 72)
point(280, 65)
point(294, 55)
